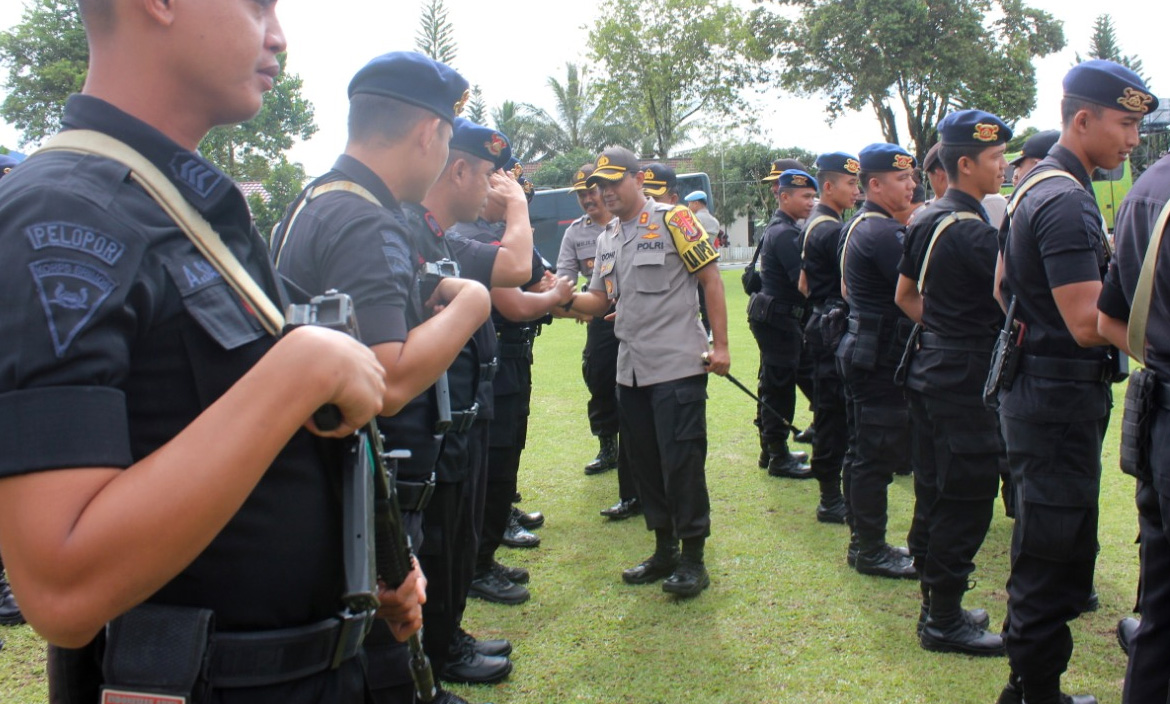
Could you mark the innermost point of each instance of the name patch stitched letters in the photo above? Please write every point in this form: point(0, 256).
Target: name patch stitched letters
point(79, 238)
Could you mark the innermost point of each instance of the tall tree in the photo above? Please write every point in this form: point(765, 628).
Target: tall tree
point(1104, 45)
point(476, 107)
point(558, 171)
point(671, 61)
point(47, 57)
point(519, 123)
point(580, 120)
point(436, 36)
point(920, 58)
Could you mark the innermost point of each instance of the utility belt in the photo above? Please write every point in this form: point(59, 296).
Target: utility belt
point(933, 341)
point(153, 652)
point(516, 343)
point(769, 310)
point(880, 339)
point(826, 305)
point(1099, 371)
point(414, 496)
point(515, 350)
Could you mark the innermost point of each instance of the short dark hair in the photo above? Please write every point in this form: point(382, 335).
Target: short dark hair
point(950, 154)
point(863, 179)
point(377, 116)
point(1069, 107)
point(834, 177)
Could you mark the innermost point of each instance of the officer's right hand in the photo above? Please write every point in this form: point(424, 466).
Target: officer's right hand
point(504, 186)
point(350, 376)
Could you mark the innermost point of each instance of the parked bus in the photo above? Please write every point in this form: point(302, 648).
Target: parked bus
point(1109, 186)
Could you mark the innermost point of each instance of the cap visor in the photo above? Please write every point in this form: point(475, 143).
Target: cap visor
point(600, 175)
point(654, 190)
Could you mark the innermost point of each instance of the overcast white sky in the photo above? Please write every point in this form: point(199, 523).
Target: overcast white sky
point(511, 47)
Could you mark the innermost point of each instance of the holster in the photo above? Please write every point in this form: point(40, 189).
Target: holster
point(759, 305)
point(868, 329)
point(751, 279)
point(1005, 362)
point(833, 322)
point(908, 351)
point(1140, 406)
point(158, 654)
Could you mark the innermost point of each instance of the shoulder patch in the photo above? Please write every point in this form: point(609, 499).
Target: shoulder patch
point(195, 173)
point(436, 229)
point(79, 238)
point(70, 293)
point(682, 220)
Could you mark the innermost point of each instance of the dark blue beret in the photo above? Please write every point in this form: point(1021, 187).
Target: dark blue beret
point(415, 79)
point(973, 128)
point(883, 156)
point(1037, 146)
point(1111, 85)
point(838, 162)
point(795, 178)
point(482, 142)
point(658, 179)
point(514, 167)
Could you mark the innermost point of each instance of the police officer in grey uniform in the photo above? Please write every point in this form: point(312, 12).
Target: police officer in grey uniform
point(1054, 253)
point(648, 261)
point(877, 331)
point(945, 285)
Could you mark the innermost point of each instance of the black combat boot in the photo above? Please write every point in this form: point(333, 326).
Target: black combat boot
point(880, 559)
point(606, 457)
point(948, 630)
point(1126, 630)
point(9, 611)
point(690, 578)
point(831, 509)
point(782, 463)
point(976, 617)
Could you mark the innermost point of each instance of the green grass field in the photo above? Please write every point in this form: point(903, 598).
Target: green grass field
point(784, 620)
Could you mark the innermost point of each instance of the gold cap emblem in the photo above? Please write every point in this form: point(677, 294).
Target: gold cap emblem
point(986, 133)
point(1135, 101)
point(852, 166)
point(462, 102)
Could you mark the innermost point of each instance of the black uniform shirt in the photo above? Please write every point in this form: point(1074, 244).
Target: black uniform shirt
point(476, 261)
point(507, 379)
point(116, 334)
point(871, 262)
point(958, 300)
point(780, 259)
point(1133, 228)
point(342, 241)
point(1055, 239)
point(819, 257)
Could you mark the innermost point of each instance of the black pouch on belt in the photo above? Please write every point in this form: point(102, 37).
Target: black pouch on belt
point(1135, 424)
point(760, 308)
point(869, 334)
point(157, 654)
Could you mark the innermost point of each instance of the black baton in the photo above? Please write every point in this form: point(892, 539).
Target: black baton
point(787, 424)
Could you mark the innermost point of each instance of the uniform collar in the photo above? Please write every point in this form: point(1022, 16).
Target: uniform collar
point(363, 176)
point(870, 206)
point(1062, 158)
point(954, 199)
point(200, 181)
point(822, 209)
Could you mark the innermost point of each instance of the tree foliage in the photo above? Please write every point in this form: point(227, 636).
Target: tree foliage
point(669, 62)
point(46, 56)
point(436, 36)
point(519, 123)
point(735, 171)
point(558, 171)
point(476, 107)
point(1104, 45)
point(580, 120)
point(920, 58)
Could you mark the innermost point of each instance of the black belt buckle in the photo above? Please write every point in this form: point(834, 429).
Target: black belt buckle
point(352, 631)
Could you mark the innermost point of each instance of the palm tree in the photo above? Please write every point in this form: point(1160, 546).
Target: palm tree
point(581, 121)
point(519, 124)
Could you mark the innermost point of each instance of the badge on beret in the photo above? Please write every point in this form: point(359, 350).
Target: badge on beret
point(1135, 101)
point(799, 181)
point(903, 161)
point(462, 102)
point(645, 216)
point(602, 161)
point(495, 145)
point(852, 166)
point(986, 133)
point(518, 170)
